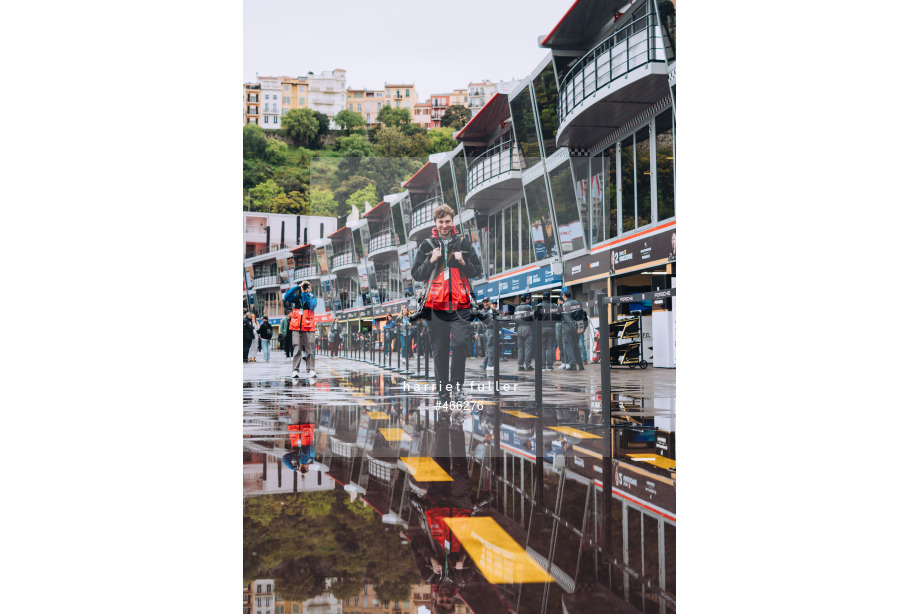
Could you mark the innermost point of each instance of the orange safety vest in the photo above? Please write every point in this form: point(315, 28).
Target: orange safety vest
point(302, 319)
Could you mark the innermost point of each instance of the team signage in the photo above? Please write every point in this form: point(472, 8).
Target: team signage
point(584, 268)
point(516, 284)
point(644, 252)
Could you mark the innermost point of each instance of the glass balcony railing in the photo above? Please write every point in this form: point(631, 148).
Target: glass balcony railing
point(632, 46)
point(304, 273)
point(265, 282)
point(422, 214)
point(382, 240)
point(343, 260)
point(493, 162)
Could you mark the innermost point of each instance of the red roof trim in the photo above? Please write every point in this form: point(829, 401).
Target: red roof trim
point(300, 247)
point(338, 231)
point(416, 174)
point(556, 27)
point(374, 208)
point(472, 119)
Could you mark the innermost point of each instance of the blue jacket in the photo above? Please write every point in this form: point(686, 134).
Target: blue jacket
point(301, 455)
point(305, 300)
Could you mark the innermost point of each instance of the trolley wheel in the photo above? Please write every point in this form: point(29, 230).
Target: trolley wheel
point(643, 365)
point(632, 365)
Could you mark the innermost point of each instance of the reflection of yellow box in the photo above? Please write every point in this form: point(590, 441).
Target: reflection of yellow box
point(425, 469)
point(500, 559)
point(378, 415)
point(567, 430)
point(654, 459)
point(394, 434)
point(518, 414)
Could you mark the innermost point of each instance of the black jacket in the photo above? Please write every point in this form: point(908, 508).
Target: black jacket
point(248, 330)
point(265, 331)
point(422, 268)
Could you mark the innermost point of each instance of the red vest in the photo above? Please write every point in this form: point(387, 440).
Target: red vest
point(302, 319)
point(449, 295)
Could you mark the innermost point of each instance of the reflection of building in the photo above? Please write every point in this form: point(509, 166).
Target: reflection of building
point(259, 597)
point(368, 603)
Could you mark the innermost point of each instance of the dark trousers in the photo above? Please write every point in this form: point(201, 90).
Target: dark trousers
point(571, 353)
point(288, 346)
point(246, 344)
point(489, 346)
point(549, 344)
point(449, 339)
point(450, 454)
point(525, 345)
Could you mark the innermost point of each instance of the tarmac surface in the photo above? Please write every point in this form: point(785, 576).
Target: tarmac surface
point(534, 537)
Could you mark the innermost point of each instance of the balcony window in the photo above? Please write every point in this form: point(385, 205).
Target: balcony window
point(407, 93)
point(542, 233)
point(571, 233)
point(525, 127)
point(664, 159)
point(546, 95)
point(301, 101)
point(265, 119)
point(287, 88)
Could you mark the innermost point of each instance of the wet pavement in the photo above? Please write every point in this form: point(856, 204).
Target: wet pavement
point(407, 507)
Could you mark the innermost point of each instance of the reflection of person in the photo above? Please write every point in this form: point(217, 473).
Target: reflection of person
point(547, 331)
point(673, 254)
point(303, 326)
point(548, 238)
point(524, 317)
point(404, 331)
point(450, 259)
point(572, 321)
point(303, 452)
point(248, 334)
point(486, 315)
point(335, 337)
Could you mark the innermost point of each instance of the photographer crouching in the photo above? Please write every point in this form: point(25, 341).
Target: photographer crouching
point(448, 261)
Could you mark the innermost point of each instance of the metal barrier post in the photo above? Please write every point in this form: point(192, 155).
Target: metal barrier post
point(427, 351)
point(418, 350)
point(606, 461)
point(496, 353)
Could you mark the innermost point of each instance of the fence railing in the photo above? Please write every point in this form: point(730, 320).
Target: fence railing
point(305, 272)
point(632, 46)
point(493, 162)
point(265, 281)
point(381, 240)
point(421, 215)
point(343, 260)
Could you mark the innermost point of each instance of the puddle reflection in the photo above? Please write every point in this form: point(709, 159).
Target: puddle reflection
point(360, 494)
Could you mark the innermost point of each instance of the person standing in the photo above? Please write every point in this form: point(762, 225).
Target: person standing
point(404, 340)
point(486, 317)
point(572, 318)
point(448, 259)
point(547, 331)
point(286, 335)
point(265, 334)
point(524, 317)
point(249, 333)
point(303, 326)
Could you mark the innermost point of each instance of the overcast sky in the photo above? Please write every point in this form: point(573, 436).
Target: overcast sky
point(438, 46)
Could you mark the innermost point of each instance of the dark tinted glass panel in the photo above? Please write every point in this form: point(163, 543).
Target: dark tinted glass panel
point(634, 553)
point(525, 129)
point(460, 173)
point(643, 179)
point(447, 186)
point(650, 557)
point(542, 233)
point(580, 169)
point(571, 234)
point(514, 226)
point(669, 28)
point(670, 561)
point(507, 246)
point(627, 184)
point(545, 93)
point(398, 223)
point(664, 156)
point(610, 194)
point(359, 246)
point(472, 233)
point(526, 243)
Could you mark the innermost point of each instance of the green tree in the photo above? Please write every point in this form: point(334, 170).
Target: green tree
point(263, 194)
point(366, 194)
point(441, 139)
point(391, 117)
point(350, 121)
point(276, 152)
point(292, 203)
point(456, 116)
point(391, 142)
point(254, 172)
point(354, 145)
point(346, 188)
point(253, 141)
point(301, 126)
point(322, 202)
point(323, 121)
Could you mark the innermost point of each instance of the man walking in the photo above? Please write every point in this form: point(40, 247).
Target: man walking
point(523, 315)
point(450, 259)
point(303, 326)
point(572, 317)
point(486, 315)
point(265, 334)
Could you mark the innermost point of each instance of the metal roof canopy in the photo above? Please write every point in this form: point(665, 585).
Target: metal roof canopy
point(486, 120)
point(583, 22)
point(424, 178)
